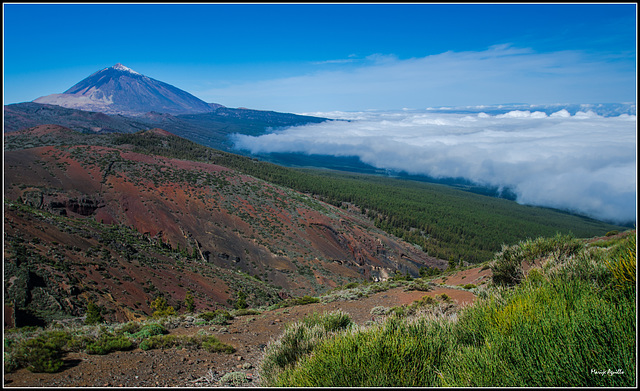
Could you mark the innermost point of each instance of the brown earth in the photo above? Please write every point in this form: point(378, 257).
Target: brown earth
point(197, 368)
point(225, 221)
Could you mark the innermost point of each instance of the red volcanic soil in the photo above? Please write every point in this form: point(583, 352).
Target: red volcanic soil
point(234, 221)
point(475, 275)
point(198, 368)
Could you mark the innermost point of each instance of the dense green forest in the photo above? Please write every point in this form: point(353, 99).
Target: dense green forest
point(445, 222)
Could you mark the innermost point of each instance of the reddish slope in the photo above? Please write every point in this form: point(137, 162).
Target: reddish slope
point(225, 219)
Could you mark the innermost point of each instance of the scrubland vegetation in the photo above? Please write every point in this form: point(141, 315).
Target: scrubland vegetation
point(570, 322)
point(446, 223)
point(42, 350)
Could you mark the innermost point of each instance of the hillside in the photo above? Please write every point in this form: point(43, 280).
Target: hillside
point(447, 223)
point(211, 128)
point(106, 224)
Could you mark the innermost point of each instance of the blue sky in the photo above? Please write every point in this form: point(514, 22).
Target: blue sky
point(321, 57)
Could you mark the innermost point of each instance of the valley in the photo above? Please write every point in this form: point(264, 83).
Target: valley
point(139, 251)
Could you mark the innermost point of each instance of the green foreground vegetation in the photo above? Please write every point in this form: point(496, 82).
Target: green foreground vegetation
point(570, 322)
point(446, 223)
point(42, 350)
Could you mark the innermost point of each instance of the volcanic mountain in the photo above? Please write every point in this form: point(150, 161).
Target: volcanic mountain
point(121, 90)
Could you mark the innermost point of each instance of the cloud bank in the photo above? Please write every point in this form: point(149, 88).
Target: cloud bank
point(581, 162)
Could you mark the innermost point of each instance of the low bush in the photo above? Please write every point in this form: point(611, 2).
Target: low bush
point(218, 317)
point(397, 353)
point(149, 330)
point(507, 264)
point(303, 300)
point(108, 343)
point(212, 344)
point(41, 354)
point(622, 264)
point(129, 328)
point(380, 310)
point(418, 285)
point(234, 378)
point(210, 315)
point(298, 340)
point(331, 321)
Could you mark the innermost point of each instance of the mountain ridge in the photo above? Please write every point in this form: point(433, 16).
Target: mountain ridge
point(121, 90)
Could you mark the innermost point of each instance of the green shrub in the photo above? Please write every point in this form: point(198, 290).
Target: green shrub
point(470, 286)
point(303, 300)
point(212, 314)
point(548, 334)
point(218, 317)
point(79, 343)
point(94, 314)
point(162, 309)
point(234, 378)
point(418, 285)
point(241, 303)
point(298, 340)
point(330, 321)
point(108, 343)
point(507, 266)
point(189, 302)
point(212, 344)
point(160, 342)
point(443, 297)
point(380, 310)
point(38, 356)
point(150, 330)
point(41, 354)
point(129, 328)
point(622, 263)
point(398, 353)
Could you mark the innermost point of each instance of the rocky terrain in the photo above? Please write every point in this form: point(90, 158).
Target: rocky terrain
point(106, 224)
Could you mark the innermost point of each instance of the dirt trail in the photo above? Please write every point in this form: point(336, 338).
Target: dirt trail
point(193, 368)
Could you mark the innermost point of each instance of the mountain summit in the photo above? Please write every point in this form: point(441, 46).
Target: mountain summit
point(121, 90)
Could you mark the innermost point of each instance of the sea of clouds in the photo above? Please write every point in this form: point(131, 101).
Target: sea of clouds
point(579, 161)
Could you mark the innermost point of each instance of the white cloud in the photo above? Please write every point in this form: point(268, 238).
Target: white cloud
point(582, 162)
point(499, 74)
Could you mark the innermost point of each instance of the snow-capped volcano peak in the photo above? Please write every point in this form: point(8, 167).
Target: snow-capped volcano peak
point(121, 67)
point(121, 90)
